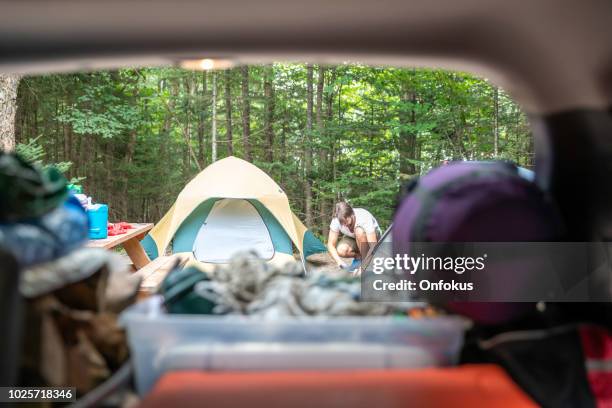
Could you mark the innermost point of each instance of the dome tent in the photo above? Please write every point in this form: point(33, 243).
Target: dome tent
point(232, 206)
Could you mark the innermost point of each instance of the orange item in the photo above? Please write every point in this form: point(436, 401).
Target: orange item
point(470, 386)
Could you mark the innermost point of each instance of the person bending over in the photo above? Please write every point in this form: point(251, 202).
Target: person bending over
point(360, 232)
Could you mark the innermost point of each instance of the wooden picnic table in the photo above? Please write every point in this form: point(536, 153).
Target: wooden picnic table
point(154, 273)
point(130, 241)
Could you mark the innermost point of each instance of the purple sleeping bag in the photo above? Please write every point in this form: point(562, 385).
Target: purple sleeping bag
point(475, 202)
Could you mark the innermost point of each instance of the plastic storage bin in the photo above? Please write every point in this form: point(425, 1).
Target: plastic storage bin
point(98, 221)
point(162, 342)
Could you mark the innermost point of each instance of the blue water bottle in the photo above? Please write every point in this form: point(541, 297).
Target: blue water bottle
point(98, 220)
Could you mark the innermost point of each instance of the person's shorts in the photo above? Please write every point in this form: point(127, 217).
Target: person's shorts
point(351, 242)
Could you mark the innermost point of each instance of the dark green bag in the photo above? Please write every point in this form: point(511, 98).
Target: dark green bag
point(179, 297)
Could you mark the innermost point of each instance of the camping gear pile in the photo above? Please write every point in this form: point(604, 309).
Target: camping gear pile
point(39, 221)
point(250, 286)
point(539, 345)
point(68, 334)
point(250, 315)
point(71, 335)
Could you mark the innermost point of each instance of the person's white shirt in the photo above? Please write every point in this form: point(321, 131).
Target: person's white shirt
point(363, 219)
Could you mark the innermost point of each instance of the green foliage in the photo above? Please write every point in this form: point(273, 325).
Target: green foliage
point(139, 135)
point(34, 153)
point(104, 105)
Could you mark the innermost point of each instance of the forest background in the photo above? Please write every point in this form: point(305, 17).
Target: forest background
point(133, 138)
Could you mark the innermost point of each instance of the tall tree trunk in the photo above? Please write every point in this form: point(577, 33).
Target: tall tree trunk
point(72, 141)
point(284, 133)
point(164, 135)
point(89, 148)
point(109, 165)
point(322, 151)
point(407, 136)
point(308, 147)
point(8, 107)
point(202, 122)
point(66, 155)
point(495, 121)
point(214, 117)
point(56, 133)
point(165, 138)
point(530, 162)
point(517, 136)
point(228, 112)
point(246, 114)
point(127, 160)
point(331, 145)
point(77, 155)
point(269, 113)
point(283, 141)
point(334, 147)
point(21, 116)
point(188, 83)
